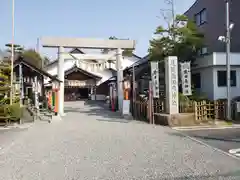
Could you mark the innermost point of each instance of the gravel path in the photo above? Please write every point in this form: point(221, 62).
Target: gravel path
point(92, 143)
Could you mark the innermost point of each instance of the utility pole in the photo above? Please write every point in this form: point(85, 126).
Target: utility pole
point(228, 49)
point(12, 52)
point(172, 11)
point(37, 45)
point(38, 51)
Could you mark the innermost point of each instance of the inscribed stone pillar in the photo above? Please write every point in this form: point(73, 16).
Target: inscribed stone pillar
point(171, 80)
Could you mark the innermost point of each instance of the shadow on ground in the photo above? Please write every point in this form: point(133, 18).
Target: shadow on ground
point(98, 109)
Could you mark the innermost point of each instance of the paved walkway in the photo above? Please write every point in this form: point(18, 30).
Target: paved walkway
point(92, 143)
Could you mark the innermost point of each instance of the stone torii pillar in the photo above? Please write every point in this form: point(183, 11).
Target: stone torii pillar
point(61, 78)
point(119, 59)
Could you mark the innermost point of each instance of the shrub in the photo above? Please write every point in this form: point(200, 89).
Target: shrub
point(15, 112)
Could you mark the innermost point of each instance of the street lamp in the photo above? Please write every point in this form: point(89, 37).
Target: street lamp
point(227, 39)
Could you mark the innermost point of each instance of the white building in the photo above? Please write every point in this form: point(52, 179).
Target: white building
point(210, 77)
point(86, 77)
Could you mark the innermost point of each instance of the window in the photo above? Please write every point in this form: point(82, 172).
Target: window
point(196, 80)
point(202, 51)
point(201, 17)
point(222, 78)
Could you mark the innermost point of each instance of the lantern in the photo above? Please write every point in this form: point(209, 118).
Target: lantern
point(55, 89)
point(126, 88)
point(55, 85)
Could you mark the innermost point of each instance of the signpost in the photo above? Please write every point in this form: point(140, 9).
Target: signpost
point(162, 84)
point(186, 78)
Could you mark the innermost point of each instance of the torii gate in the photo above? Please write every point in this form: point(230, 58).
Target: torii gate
point(61, 43)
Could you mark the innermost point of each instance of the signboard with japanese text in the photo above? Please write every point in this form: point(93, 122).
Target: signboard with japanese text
point(155, 79)
point(162, 83)
point(186, 78)
point(171, 79)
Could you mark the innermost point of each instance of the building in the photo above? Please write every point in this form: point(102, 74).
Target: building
point(209, 74)
point(88, 78)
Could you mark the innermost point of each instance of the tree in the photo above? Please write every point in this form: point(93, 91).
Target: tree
point(46, 61)
point(33, 58)
point(181, 39)
point(126, 52)
point(29, 55)
point(5, 74)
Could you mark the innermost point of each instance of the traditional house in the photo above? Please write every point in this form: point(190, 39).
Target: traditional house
point(28, 77)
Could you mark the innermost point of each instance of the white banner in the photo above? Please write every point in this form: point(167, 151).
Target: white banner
point(186, 78)
point(155, 79)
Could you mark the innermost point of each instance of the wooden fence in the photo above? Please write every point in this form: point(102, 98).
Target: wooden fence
point(203, 110)
point(140, 112)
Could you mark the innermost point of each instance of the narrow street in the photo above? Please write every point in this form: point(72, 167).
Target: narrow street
point(94, 143)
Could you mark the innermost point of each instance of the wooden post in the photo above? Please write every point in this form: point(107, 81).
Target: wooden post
point(50, 98)
point(56, 102)
point(216, 115)
point(150, 104)
point(95, 92)
point(195, 110)
point(205, 112)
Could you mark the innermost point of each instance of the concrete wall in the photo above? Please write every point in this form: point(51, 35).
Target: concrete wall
point(220, 59)
point(215, 59)
point(207, 82)
point(215, 24)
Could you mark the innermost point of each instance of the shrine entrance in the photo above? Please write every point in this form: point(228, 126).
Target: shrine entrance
point(79, 84)
point(77, 93)
point(61, 43)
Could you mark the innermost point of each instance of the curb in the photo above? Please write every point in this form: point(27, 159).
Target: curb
point(205, 127)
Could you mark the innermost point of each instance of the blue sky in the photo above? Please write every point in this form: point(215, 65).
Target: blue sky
point(134, 19)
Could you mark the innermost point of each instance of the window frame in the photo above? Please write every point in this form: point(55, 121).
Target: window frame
point(196, 80)
point(200, 16)
point(222, 79)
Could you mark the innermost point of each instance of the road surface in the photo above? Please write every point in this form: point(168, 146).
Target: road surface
point(92, 143)
point(224, 139)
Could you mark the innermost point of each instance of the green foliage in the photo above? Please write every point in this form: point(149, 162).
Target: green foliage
point(29, 55)
point(32, 57)
point(5, 73)
point(46, 61)
point(180, 39)
point(15, 111)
